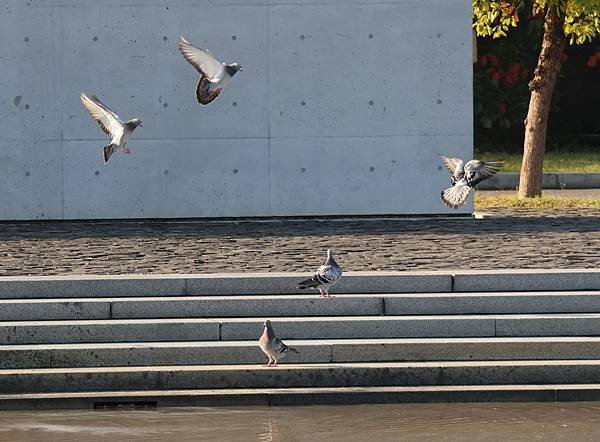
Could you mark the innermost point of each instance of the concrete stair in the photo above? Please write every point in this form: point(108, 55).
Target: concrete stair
point(422, 337)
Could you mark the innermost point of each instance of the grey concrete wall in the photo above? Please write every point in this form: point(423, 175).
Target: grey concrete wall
point(342, 108)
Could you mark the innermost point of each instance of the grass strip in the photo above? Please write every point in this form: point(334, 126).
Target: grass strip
point(483, 202)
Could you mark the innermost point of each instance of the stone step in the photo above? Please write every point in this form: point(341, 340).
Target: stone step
point(298, 305)
point(300, 396)
point(311, 351)
point(92, 286)
point(327, 327)
point(272, 283)
point(355, 374)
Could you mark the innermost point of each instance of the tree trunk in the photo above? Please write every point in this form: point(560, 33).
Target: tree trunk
point(541, 87)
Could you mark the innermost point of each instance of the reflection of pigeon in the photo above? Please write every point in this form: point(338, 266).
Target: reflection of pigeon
point(272, 346)
point(325, 276)
point(214, 75)
point(465, 177)
point(110, 123)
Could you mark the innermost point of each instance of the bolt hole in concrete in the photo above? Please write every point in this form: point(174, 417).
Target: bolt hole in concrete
point(234, 37)
point(95, 38)
point(234, 104)
point(575, 421)
point(27, 173)
point(371, 102)
point(26, 39)
point(166, 171)
point(371, 36)
point(302, 37)
point(97, 173)
point(372, 169)
point(165, 38)
point(303, 169)
point(27, 106)
point(303, 103)
point(235, 171)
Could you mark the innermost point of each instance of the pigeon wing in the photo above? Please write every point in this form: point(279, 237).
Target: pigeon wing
point(106, 118)
point(327, 274)
point(279, 346)
point(452, 164)
point(201, 59)
point(203, 93)
point(477, 171)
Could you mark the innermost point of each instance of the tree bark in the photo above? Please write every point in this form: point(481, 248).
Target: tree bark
point(541, 87)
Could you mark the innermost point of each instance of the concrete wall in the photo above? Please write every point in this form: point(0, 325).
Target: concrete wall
point(342, 107)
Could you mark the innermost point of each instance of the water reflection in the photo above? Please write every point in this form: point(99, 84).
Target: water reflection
point(358, 423)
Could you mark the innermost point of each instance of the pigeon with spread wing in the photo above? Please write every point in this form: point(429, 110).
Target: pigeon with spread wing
point(118, 131)
point(214, 75)
point(464, 178)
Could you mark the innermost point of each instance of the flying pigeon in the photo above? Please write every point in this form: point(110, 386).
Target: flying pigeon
point(272, 346)
point(325, 276)
point(214, 75)
point(465, 177)
point(110, 123)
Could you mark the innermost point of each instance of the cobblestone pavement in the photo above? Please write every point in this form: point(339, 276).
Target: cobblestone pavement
point(516, 239)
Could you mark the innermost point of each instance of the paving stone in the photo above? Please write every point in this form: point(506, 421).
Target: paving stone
point(508, 239)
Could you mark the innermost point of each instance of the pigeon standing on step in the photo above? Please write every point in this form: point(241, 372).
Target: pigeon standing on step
point(214, 75)
point(464, 177)
point(272, 346)
point(325, 276)
point(118, 131)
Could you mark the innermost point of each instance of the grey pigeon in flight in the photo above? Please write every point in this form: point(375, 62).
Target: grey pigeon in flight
point(272, 346)
point(214, 75)
point(118, 131)
point(325, 276)
point(464, 177)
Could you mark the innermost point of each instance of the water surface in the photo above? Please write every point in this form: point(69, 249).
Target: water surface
point(356, 423)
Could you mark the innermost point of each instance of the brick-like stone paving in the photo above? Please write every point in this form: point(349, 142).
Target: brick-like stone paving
point(516, 239)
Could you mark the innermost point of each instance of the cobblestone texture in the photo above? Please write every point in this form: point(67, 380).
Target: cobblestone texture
point(516, 239)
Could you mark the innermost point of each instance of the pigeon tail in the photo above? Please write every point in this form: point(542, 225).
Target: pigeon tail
point(293, 350)
point(456, 196)
point(203, 93)
point(108, 151)
point(310, 283)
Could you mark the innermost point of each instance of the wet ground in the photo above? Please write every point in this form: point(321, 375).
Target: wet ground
point(571, 422)
point(514, 239)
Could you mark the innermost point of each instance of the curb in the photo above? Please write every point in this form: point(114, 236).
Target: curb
point(302, 396)
point(88, 286)
point(510, 181)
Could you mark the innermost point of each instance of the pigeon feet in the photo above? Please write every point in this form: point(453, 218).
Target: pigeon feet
point(126, 150)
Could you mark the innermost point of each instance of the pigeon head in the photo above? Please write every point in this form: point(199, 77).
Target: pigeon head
point(269, 329)
point(135, 123)
point(232, 68)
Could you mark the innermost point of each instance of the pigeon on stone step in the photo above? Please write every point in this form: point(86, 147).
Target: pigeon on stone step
point(214, 75)
point(118, 131)
point(464, 177)
point(272, 346)
point(325, 276)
